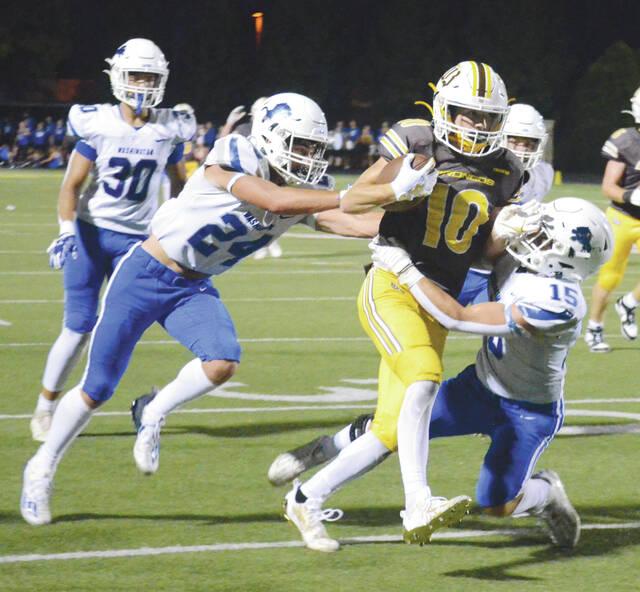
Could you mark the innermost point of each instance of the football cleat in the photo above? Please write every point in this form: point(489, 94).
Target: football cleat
point(595, 340)
point(561, 520)
point(146, 450)
point(36, 490)
point(137, 407)
point(308, 517)
point(429, 514)
point(627, 319)
point(40, 424)
point(288, 465)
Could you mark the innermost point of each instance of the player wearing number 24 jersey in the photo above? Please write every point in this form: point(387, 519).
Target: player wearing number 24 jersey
point(235, 203)
point(123, 150)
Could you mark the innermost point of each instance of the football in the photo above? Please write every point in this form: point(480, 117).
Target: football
point(389, 173)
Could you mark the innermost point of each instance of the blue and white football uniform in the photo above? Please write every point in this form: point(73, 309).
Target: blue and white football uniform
point(513, 392)
point(115, 209)
point(205, 229)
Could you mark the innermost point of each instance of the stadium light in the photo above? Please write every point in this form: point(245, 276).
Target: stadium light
point(257, 23)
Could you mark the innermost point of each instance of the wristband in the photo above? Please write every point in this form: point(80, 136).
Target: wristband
point(410, 276)
point(341, 195)
point(631, 196)
point(67, 227)
point(233, 180)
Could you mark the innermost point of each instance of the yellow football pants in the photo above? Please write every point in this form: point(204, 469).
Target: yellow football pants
point(626, 232)
point(410, 343)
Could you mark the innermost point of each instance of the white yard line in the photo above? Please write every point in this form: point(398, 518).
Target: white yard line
point(214, 548)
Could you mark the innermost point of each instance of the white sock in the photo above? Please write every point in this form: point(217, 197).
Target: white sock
point(534, 497)
point(595, 325)
point(342, 438)
point(45, 404)
point(629, 301)
point(62, 359)
point(71, 417)
point(191, 383)
point(357, 458)
point(413, 437)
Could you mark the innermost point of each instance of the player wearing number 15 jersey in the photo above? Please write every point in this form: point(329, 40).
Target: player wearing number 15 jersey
point(235, 203)
point(123, 149)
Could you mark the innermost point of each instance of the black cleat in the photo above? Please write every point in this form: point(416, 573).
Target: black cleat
point(137, 407)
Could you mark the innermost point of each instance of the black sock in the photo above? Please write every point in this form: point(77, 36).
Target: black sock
point(300, 497)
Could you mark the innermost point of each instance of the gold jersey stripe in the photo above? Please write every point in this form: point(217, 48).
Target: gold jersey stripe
point(383, 333)
point(397, 140)
point(610, 149)
point(389, 146)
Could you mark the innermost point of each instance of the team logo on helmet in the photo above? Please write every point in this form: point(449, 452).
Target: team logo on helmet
point(582, 235)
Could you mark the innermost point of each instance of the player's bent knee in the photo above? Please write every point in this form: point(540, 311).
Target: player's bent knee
point(417, 364)
point(219, 371)
point(609, 280)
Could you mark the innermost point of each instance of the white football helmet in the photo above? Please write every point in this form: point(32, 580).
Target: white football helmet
point(478, 89)
point(635, 106)
point(291, 131)
point(138, 56)
point(523, 121)
point(184, 108)
point(574, 240)
point(257, 104)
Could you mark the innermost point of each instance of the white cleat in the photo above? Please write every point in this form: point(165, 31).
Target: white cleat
point(36, 491)
point(275, 250)
point(308, 517)
point(594, 338)
point(430, 514)
point(627, 319)
point(40, 425)
point(146, 450)
point(288, 465)
point(560, 517)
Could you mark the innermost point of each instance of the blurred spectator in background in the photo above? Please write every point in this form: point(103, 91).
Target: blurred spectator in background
point(39, 137)
point(23, 141)
point(336, 146)
point(209, 135)
point(362, 153)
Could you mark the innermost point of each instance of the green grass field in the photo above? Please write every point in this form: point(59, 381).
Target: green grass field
point(209, 520)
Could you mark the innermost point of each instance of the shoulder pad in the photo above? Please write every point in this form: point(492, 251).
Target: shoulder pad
point(238, 153)
point(83, 120)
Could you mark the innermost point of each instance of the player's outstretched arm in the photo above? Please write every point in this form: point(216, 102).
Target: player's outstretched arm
point(354, 225)
point(488, 318)
point(290, 201)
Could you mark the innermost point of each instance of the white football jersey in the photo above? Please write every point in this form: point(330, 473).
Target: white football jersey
point(532, 367)
point(128, 163)
point(206, 228)
point(537, 183)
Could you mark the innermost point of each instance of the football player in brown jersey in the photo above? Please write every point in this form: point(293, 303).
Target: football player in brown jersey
point(444, 232)
point(620, 184)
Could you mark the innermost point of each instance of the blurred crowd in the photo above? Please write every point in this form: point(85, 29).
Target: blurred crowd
point(30, 142)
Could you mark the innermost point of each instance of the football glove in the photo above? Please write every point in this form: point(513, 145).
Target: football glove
point(397, 261)
point(236, 114)
point(411, 183)
point(61, 248)
point(514, 221)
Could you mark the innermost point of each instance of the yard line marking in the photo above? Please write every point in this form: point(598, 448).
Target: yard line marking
point(246, 340)
point(180, 549)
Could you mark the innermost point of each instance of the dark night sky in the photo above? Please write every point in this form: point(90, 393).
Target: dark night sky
point(368, 59)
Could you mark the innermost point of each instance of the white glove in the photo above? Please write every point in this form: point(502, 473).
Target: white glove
point(393, 259)
point(61, 248)
point(514, 221)
point(411, 183)
point(236, 114)
point(632, 197)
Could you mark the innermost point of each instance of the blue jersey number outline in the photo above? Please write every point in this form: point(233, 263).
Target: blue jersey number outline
point(140, 176)
point(239, 249)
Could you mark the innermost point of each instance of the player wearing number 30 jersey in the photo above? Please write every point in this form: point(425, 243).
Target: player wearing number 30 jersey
point(123, 150)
